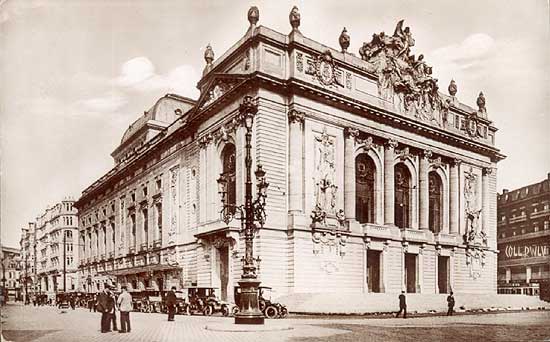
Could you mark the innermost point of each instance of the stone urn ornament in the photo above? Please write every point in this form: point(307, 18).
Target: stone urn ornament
point(344, 40)
point(294, 18)
point(253, 15)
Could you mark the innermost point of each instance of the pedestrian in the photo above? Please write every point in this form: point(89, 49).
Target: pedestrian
point(125, 306)
point(113, 313)
point(402, 305)
point(72, 302)
point(105, 306)
point(171, 303)
point(450, 304)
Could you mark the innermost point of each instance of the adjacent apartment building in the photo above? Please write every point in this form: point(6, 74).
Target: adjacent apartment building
point(524, 238)
point(378, 181)
point(56, 249)
point(11, 269)
point(28, 276)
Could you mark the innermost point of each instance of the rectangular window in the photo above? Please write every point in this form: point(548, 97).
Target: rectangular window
point(159, 220)
point(145, 214)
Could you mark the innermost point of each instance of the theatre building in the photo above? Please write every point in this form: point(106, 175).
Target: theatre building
point(378, 181)
point(524, 238)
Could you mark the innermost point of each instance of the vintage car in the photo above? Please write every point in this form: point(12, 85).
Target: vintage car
point(267, 307)
point(181, 305)
point(62, 301)
point(204, 300)
point(149, 300)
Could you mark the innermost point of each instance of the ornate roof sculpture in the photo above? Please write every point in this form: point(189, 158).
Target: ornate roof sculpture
point(405, 80)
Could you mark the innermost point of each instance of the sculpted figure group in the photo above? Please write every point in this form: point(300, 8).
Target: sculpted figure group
point(403, 79)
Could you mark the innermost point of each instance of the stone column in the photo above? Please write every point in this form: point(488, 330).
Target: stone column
point(203, 142)
point(295, 180)
point(349, 173)
point(389, 193)
point(424, 189)
point(455, 197)
point(485, 198)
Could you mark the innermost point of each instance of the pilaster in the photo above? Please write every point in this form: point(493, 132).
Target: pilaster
point(424, 189)
point(455, 197)
point(389, 200)
point(349, 173)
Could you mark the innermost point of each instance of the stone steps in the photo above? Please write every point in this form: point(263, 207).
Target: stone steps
point(346, 303)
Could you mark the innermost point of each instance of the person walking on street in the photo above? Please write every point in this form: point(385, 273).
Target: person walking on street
point(450, 304)
point(125, 306)
point(105, 306)
point(171, 303)
point(402, 305)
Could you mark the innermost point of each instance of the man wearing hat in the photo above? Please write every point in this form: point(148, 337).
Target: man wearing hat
point(105, 305)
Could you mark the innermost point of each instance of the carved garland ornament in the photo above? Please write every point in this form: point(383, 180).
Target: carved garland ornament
point(324, 68)
point(174, 177)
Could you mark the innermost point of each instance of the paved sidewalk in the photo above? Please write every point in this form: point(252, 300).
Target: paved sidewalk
point(48, 324)
point(22, 324)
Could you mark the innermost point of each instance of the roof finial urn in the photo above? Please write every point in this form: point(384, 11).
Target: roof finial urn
point(481, 103)
point(452, 88)
point(253, 15)
point(344, 40)
point(208, 57)
point(294, 18)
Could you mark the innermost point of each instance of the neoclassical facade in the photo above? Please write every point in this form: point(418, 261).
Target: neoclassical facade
point(378, 182)
point(55, 229)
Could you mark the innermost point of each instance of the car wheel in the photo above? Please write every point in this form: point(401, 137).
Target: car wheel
point(225, 310)
point(207, 311)
point(284, 312)
point(188, 310)
point(235, 310)
point(271, 312)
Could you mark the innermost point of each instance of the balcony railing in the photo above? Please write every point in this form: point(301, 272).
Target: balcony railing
point(518, 219)
point(540, 213)
point(519, 237)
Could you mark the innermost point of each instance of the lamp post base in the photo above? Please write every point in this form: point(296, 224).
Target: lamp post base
point(249, 312)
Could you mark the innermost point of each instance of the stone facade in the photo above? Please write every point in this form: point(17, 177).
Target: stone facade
point(29, 261)
point(524, 238)
point(11, 272)
point(55, 229)
point(377, 181)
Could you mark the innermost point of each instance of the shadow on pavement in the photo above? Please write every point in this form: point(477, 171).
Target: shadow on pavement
point(25, 335)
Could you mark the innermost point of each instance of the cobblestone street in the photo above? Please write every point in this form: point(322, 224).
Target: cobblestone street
point(48, 324)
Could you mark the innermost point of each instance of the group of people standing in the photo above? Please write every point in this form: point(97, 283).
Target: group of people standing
point(403, 304)
point(108, 304)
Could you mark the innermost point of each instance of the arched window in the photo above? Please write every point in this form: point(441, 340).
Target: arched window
point(402, 179)
point(228, 170)
point(365, 172)
point(436, 202)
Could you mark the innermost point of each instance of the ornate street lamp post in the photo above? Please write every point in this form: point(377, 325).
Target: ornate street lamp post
point(250, 213)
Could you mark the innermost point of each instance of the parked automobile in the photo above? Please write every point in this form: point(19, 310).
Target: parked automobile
point(267, 307)
point(147, 301)
point(62, 301)
point(204, 300)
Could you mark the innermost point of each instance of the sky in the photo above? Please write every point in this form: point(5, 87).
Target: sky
point(75, 74)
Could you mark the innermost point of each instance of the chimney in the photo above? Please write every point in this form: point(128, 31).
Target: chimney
point(504, 191)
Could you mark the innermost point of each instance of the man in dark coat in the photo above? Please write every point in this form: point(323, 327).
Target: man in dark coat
point(113, 299)
point(402, 305)
point(171, 303)
point(450, 304)
point(105, 306)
